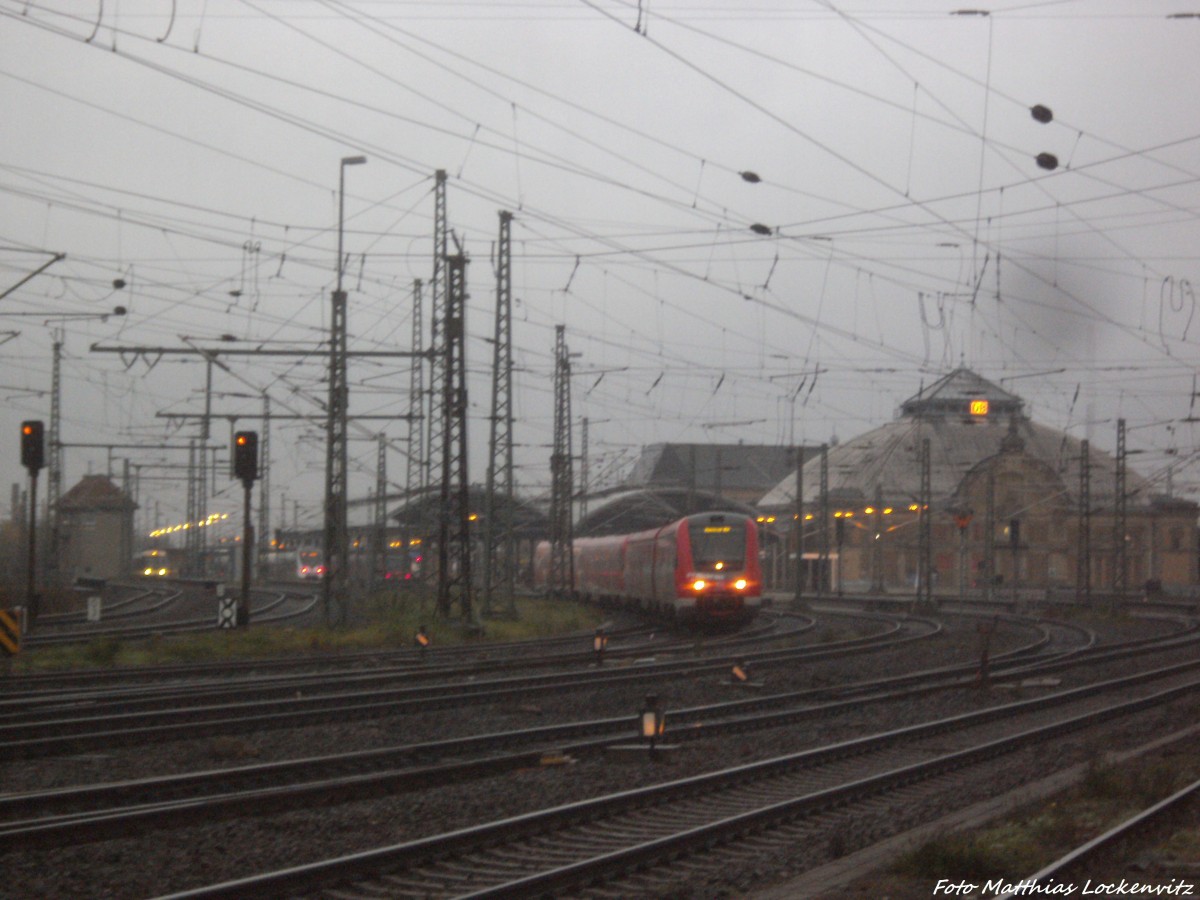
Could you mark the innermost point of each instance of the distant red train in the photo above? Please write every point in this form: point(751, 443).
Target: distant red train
point(702, 568)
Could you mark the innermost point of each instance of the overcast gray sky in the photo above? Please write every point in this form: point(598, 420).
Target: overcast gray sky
point(191, 149)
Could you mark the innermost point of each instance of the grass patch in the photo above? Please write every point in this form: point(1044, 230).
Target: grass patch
point(388, 622)
point(1022, 843)
point(969, 857)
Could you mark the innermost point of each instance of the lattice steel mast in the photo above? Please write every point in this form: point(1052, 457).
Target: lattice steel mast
point(823, 562)
point(54, 458)
point(337, 464)
point(925, 535)
point(1120, 552)
point(1083, 559)
point(499, 553)
point(262, 540)
point(379, 549)
point(562, 563)
point(454, 536)
point(417, 464)
point(437, 318)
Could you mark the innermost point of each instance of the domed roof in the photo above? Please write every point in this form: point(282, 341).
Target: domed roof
point(887, 459)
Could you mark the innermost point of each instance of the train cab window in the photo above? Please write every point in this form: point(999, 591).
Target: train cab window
point(718, 543)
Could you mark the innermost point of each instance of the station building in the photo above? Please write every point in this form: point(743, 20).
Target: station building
point(1011, 505)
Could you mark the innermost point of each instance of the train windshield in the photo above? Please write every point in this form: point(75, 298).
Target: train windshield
point(718, 544)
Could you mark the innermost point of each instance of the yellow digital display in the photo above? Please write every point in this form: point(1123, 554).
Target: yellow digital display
point(979, 407)
point(716, 529)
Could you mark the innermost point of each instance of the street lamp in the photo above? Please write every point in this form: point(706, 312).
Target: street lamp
point(337, 550)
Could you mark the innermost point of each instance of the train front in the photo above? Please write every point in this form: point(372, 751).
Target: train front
point(717, 572)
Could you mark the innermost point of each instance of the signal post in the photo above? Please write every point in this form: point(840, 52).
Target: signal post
point(33, 458)
point(245, 468)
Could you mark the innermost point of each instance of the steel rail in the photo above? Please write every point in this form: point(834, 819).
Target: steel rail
point(1100, 847)
point(107, 728)
point(571, 739)
point(366, 867)
point(410, 663)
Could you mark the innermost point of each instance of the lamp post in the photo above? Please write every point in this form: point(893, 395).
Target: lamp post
point(336, 457)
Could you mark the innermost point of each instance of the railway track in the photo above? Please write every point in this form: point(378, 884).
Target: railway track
point(1088, 865)
point(103, 811)
point(705, 820)
point(268, 606)
point(74, 723)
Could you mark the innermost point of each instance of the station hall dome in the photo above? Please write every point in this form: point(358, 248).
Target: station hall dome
point(968, 421)
point(997, 482)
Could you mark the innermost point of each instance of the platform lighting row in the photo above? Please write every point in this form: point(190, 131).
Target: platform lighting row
point(211, 519)
point(847, 513)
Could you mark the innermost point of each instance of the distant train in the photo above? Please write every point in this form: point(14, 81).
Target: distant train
point(702, 568)
point(163, 562)
point(308, 565)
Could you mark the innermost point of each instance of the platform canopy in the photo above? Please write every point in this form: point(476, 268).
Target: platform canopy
point(638, 510)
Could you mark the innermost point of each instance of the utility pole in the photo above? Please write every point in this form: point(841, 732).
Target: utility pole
point(925, 534)
point(379, 548)
point(562, 562)
point(499, 556)
point(1083, 553)
point(191, 564)
point(454, 535)
point(583, 468)
point(337, 542)
point(202, 484)
point(798, 598)
point(989, 546)
point(823, 562)
point(877, 542)
point(264, 495)
point(54, 472)
point(417, 461)
point(1120, 552)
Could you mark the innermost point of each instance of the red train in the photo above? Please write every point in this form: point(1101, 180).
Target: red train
point(702, 568)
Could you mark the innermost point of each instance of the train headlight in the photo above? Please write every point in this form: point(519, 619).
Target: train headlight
point(740, 584)
point(699, 584)
point(148, 571)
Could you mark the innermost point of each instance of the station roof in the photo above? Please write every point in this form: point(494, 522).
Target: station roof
point(421, 511)
point(638, 510)
point(95, 493)
point(735, 468)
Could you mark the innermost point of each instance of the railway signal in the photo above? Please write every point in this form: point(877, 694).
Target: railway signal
point(245, 468)
point(33, 445)
point(245, 456)
point(33, 458)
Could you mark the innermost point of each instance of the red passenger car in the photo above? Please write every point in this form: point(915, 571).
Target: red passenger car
point(702, 568)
